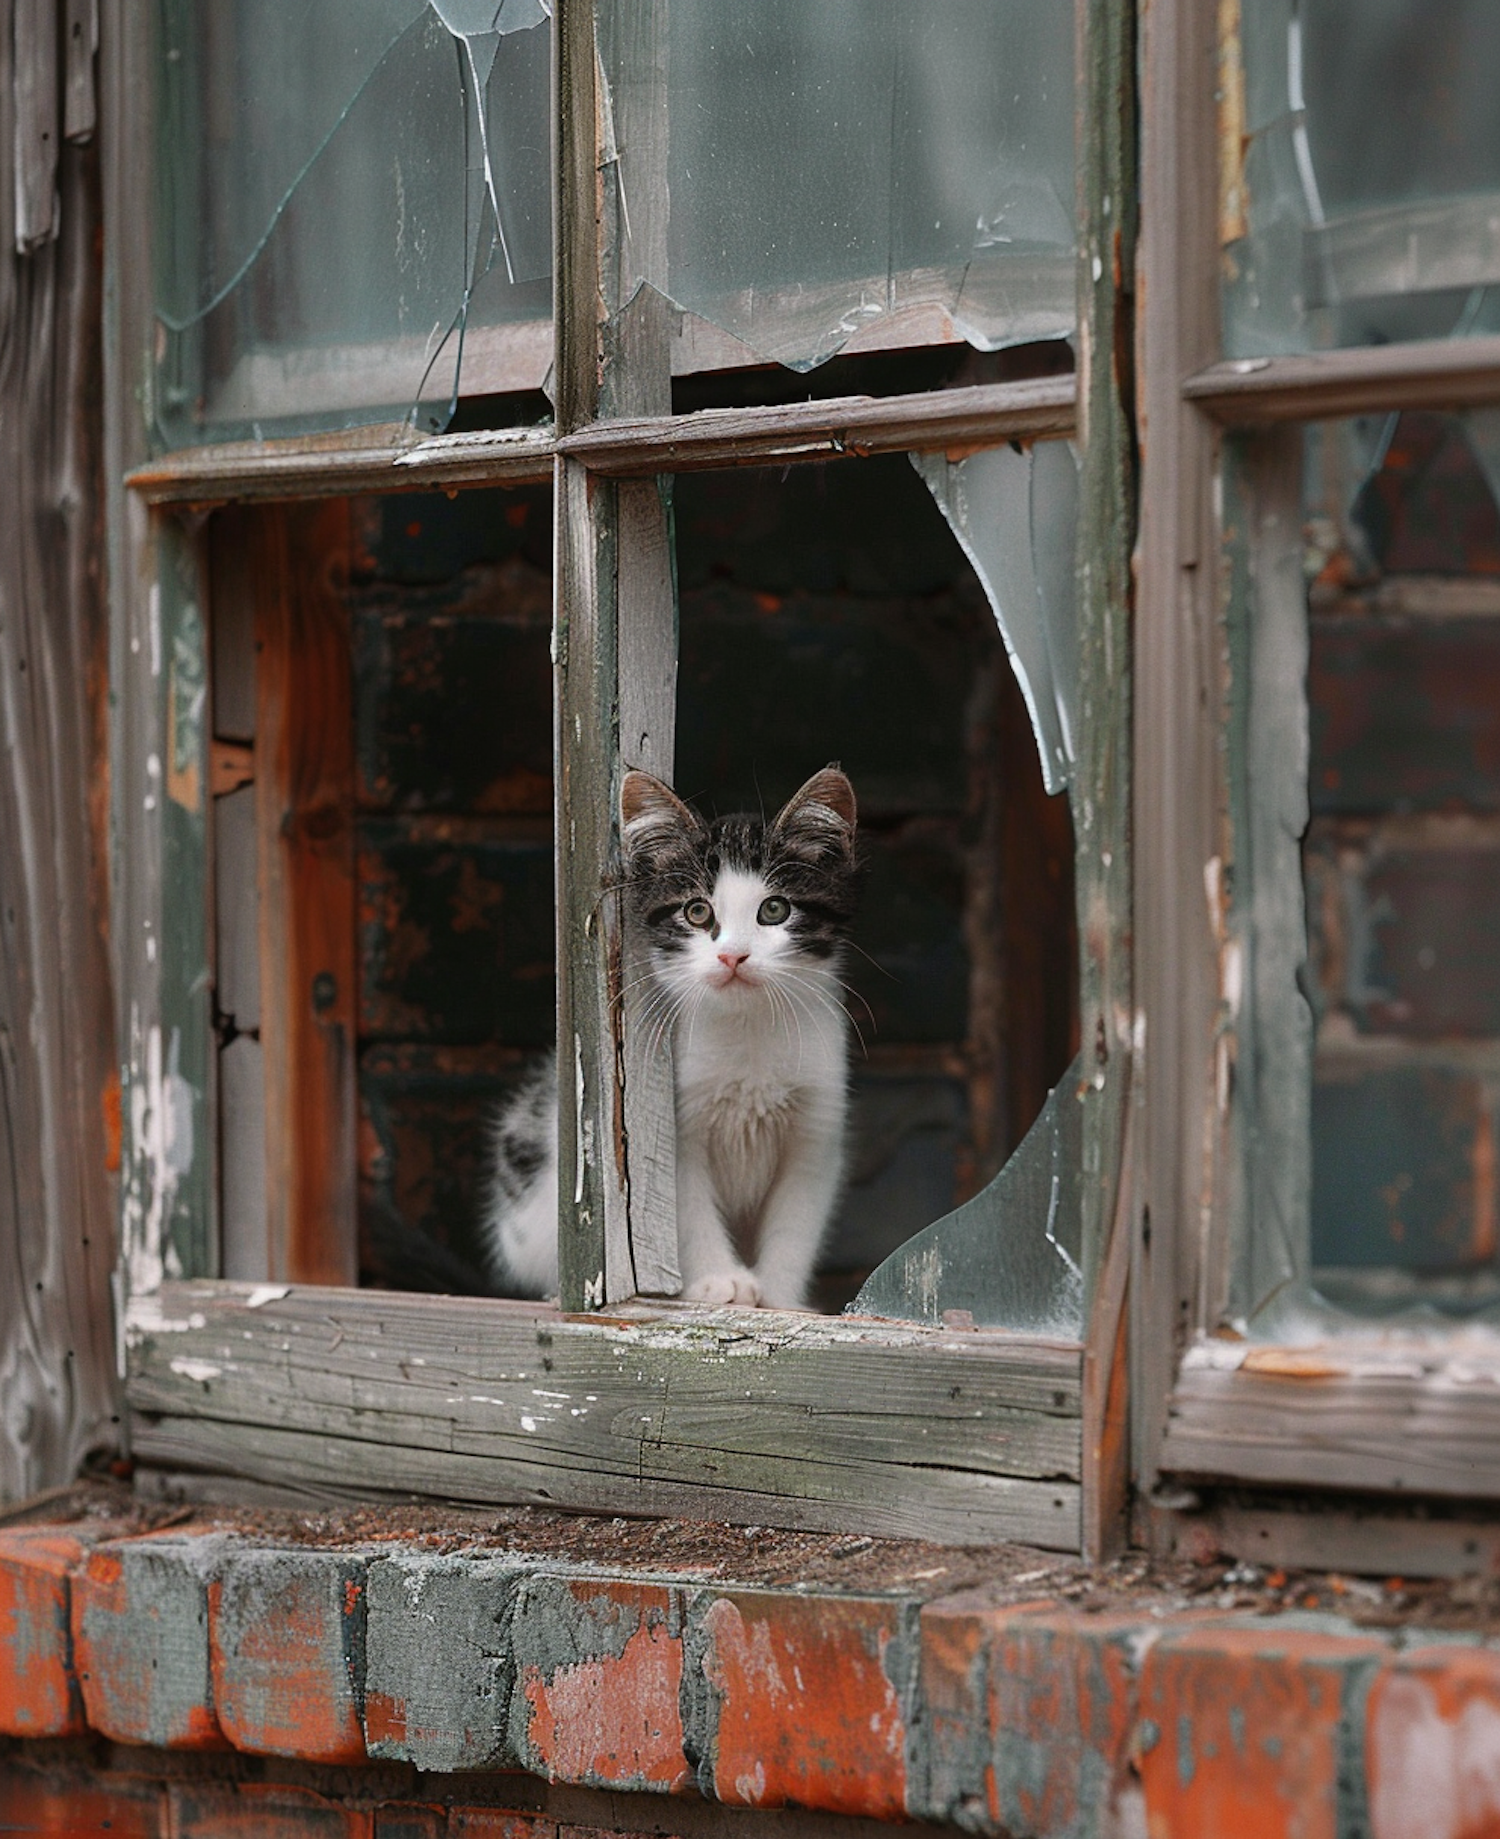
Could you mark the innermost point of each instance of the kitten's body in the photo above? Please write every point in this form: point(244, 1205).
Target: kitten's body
point(744, 923)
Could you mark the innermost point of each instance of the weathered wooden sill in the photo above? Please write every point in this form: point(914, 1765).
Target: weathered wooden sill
point(748, 1417)
point(1398, 1416)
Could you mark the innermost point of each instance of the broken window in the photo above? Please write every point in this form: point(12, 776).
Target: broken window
point(353, 212)
point(809, 173)
point(1363, 900)
point(1360, 182)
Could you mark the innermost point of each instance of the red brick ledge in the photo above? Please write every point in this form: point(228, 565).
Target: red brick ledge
point(1028, 1719)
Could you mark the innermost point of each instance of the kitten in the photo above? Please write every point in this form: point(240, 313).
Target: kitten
point(744, 923)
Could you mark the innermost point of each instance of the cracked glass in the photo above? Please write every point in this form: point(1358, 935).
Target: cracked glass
point(1012, 1257)
point(352, 212)
point(1360, 172)
point(809, 174)
point(1361, 1040)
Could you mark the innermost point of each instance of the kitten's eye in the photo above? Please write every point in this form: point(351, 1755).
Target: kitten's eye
point(774, 912)
point(698, 913)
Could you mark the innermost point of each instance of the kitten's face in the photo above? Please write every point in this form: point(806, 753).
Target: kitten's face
point(740, 909)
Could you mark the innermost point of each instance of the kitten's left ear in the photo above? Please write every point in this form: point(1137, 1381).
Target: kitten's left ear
point(821, 813)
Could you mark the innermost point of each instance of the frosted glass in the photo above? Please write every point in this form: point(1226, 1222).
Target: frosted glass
point(1370, 190)
point(351, 201)
point(829, 163)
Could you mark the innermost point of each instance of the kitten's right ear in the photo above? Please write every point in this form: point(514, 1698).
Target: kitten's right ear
point(651, 814)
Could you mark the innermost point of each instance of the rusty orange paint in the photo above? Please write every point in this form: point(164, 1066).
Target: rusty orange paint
point(283, 1688)
point(1060, 1712)
point(613, 1721)
point(1432, 1736)
point(35, 1804)
point(808, 1712)
point(385, 1721)
point(264, 1810)
point(107, 1642)
point(39, 1694)
point(1241, 1732)
point(109, 1105)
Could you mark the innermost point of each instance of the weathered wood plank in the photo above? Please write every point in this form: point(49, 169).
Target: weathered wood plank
point(59, 1079)
point(1107, 184)
point(1177, 791)
point(313, 466)
point(955, 1436)
point(1244, 392)
point(304, 798)
point(646, 612)
point(980, 415)
point(80, 47)
point(947, 1509)
point(1396, 1419)
point(378, 459)
point(36, 121)
point(1317, 1536)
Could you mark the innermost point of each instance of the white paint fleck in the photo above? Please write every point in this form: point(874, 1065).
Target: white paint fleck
point(528, 1423)
point(199, 1370)
point(264, 1293)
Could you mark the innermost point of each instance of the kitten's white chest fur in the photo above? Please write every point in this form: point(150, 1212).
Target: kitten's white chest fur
point(743, 922)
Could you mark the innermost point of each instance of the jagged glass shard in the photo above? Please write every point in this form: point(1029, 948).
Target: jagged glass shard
point(1015, 514)
point(1367, 204)
point(1012, 1256)
point(834, 163)
point(353, 206)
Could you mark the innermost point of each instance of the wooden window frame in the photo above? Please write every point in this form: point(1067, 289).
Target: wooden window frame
point(1355, 1413)
point(293, 1385)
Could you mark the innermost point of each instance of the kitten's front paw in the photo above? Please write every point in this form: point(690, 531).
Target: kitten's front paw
point(723, 1289)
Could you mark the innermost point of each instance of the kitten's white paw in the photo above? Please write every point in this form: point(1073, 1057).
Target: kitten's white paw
point(725, 1288)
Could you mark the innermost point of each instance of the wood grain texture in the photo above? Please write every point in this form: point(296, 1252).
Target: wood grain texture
point(1245, 392)
point(1178, 700)
point(1386, 1419)
point(33, 80)
point(304, 799)
point(1106, 604)
point(980, 415)
point(59, 1084)
point(780, 1420)
point(312, 466)
point(378, 459)
point(646, 612)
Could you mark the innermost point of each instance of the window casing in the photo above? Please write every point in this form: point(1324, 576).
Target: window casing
point(612, 436)
point(1225, 1395)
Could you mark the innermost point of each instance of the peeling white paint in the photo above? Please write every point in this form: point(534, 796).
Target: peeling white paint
point(264, 1293)
point(200, 1370)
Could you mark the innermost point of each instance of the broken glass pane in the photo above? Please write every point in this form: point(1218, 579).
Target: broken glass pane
point(353, 205)
point(1361, 197)
point(1015, 514)
point(836, 168)
point(1362, 993)
point(1011, 1257)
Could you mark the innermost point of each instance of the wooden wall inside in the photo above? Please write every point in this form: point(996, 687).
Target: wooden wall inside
point(59, 1093)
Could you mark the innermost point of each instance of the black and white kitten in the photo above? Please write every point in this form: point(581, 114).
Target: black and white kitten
point(744, 923)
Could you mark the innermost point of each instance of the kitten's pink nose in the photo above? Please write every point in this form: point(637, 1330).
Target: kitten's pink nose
point(732, 960)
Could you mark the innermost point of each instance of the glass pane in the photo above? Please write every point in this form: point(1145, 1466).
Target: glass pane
point(1364, 201)
point(838, 168)
point(1366, 881)
point(352, 208)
